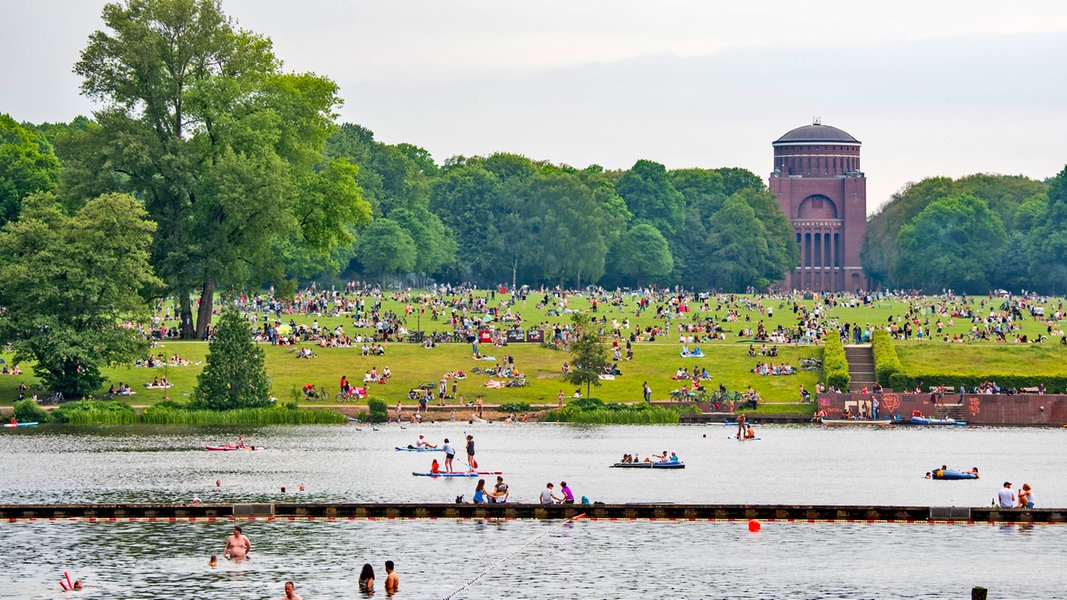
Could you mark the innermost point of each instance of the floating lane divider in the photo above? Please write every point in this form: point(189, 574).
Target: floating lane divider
point(513, 553)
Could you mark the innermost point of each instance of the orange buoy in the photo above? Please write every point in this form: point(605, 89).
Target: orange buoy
point(754, 526)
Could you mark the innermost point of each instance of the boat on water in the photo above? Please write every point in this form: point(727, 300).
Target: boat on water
point(882, 421)
point(952, 474)
point(23, 424)
point(414, 449)
point(649, 465)
point(935, 421)
point(228, 448)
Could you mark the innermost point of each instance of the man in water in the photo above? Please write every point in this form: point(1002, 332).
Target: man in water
point(450, 453)
point(237, 545)
point(290, 592)
point(392, 580)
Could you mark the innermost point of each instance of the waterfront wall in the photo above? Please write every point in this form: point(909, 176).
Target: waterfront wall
point(609, 512)
point(977, 409)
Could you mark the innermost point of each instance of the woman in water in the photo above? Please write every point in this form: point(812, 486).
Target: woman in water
point(366, 579)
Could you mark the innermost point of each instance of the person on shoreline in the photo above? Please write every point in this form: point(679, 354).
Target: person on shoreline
point(237, 545)
point(290, 592)
point(392, 580)
point(450, 453)
point(366, 579)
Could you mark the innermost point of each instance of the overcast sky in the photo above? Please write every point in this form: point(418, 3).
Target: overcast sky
point(930, 88)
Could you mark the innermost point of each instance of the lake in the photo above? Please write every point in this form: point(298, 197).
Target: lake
point(531, 559)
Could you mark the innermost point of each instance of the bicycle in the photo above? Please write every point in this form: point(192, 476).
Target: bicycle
point(348, 396)
point(55, 398)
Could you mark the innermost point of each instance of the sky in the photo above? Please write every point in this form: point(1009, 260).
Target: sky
point(945, 88)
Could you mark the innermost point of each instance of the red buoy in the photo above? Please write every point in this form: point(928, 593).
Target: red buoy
point(754, 526)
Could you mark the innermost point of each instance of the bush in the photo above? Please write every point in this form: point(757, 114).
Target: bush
point(586, 404)
point(94, 412)
point(835, 364)
point(28, 411)
point(379, 413)
point(886, 362)
point(515, 407)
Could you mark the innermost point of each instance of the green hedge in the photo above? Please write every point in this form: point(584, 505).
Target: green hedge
point(28, 411)
point(886, 362)
point(904, 382)
point(835, 364)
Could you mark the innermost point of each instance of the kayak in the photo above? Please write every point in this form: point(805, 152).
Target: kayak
point(229, 448)
point(413, 449)
point(26, 424)
point(935, 421)
point(949, 474)
point(649, 465)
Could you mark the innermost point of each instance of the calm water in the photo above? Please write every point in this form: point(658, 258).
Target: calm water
point(527, 559)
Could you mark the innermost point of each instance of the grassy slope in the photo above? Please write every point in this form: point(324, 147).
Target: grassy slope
point(655, 362)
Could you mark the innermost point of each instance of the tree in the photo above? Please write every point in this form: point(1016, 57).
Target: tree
point(953, 243)
point(70, 287)
point(234, 375)
point(643, 253)
point(649, 195)
point(27, 164)
point(1048, 241)
point(386, 248)
point(225, 149)
point(589, 354)
point(740, 254)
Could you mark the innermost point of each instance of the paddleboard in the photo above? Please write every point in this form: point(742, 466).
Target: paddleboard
point(26, 424)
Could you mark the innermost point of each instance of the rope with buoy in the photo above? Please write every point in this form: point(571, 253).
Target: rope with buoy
point(513, 553)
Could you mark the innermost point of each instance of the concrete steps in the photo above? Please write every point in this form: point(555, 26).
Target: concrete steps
point(860, 366)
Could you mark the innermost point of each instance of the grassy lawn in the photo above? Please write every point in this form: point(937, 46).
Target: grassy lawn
point(655, 362)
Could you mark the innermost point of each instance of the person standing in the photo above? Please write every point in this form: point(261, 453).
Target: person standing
point(392, 580)
point(1005, 497)
point(290, 592)
point(473, 464)
point(450, 453)
point(559, 399)
point(366, 579)
point(478, 402)
point(741, 420)
point(238, 545)
point(647, 391)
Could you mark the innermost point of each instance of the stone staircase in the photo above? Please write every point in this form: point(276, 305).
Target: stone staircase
point(860, 366)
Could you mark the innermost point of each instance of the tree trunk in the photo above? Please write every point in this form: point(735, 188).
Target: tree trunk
point(186, 312)
point(514, 273)
point(207, 298)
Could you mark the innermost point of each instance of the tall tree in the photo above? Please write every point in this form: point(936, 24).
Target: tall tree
point(70, 287)
point(385, 248)
point(27, 164)
point(740, 253)
point(649, 195)
point(235, 375)
point(643, 254)
point(1048, 241)
point(225, 149)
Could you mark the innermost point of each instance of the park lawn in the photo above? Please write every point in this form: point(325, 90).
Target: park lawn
point(984, 359)
point(655, 362)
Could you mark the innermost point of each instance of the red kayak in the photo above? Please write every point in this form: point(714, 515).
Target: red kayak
point(228, 448)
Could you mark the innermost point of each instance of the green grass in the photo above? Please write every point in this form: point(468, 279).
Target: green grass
point(655, 362)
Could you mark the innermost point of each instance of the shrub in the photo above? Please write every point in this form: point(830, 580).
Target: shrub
point(93, 412)
point(379, 413)
point(586, 404)
point(886, 362)
point(28, 411)
point(835, 364)
point(515, 407)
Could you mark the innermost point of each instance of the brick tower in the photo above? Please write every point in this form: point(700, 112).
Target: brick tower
point(822, 191)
